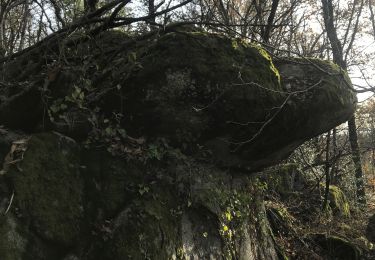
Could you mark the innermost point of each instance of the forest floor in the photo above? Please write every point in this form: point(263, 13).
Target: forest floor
point(305, 224)
point(371, 200)
point(370, 214)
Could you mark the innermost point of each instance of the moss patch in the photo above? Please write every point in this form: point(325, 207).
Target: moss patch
point(12, 243)
point(338, 247)
point(48, 188)
point(338, 201)
point(148, 227)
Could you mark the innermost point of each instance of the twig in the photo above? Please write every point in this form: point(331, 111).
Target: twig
point(10, 204)
point(267, 122)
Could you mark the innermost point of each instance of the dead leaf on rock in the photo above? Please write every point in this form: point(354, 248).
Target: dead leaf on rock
point(15, 155)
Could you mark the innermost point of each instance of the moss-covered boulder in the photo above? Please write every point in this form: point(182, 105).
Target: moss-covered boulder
point(281, 220)
point(337, 247)
point(151, 124)
point(74, 203)
point(12, 243)
point(48, 187)
point(206, 94)
point(338, 201)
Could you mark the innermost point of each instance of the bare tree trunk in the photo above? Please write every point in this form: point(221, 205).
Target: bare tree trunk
point(57, 9)
point(3, 6)
point(356, 157)
point(370, 3)
point(151, 11)
point(338, 57)
point(372, 153)
point(23, 27)
point(335, 155)
point(270, 21)
point(327, 172)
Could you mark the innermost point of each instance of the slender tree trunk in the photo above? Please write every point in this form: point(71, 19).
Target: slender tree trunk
point(3, 6)
point(372, 17)
point(59, 18)
point(327, 172)
point(270, 21)
point(23, 27)
point(372, 153)
point(335, 156)
point(338, 57)
point(151, 11)
point(356, 157)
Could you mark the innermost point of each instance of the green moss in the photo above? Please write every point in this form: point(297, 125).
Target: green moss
point(221, 82)
point(281, 220)
point(268, 57)
point(239, 210)
point(333, 79)
point(48, 188)
point(181, 86)
point(338, 247)
point(211, 59)
point(148, 228)
point(134, 211)
point(213, 62)
point(12, 243)
point(110, 182)
point(338, 201)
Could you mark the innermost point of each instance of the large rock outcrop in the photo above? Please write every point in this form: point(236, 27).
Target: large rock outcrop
point(153, 146)
point(191, 88)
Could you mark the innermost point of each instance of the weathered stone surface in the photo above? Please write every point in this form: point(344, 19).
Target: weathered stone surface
point(193, 89)
point(338, 247)
point(87, 204)
point(178, 108)
point(48, 187)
